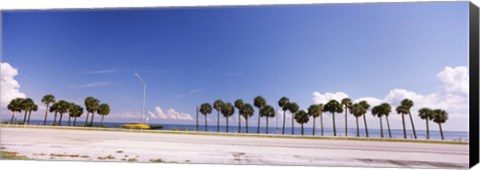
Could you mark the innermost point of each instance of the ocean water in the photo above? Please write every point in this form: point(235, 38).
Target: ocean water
point(373, 133)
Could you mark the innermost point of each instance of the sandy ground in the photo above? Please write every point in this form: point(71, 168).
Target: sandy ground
point(55, 144)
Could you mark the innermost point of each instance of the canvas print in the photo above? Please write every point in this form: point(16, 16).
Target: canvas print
point(356, 85)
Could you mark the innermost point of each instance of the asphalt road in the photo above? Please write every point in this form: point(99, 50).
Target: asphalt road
point(48, 144)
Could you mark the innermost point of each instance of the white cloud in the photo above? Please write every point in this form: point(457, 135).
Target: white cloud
point(10, 88)
point(370, 100)
point(324, 98)
point(129, 115)
point(158, 113)
point(455, 80)
point(452, 97)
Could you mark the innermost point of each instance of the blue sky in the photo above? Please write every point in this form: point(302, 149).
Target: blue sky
point(188, 56)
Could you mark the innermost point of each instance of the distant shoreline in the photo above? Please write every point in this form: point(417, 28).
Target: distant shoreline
point(233, 125)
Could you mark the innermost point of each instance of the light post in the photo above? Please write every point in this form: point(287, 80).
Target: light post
point(144, 93)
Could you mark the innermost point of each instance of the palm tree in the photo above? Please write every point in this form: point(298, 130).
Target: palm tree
point(71, 109)
point(104, 110)
point(314, 111)
point(366, 106)
point(401, 110)
point(321, 117)
point(239, 104)
point(301, 117)
point(440, 116)
point(259, 102)
point(357, 110)
point(283, 103)
point(347, 103)
point(15, 106)
point(76, 112)
point(426, 114)
point(54, 109)
point(33, 108)
point(91, 105)
point(333, 106)
point(47, 99)
point(217, 105)
point(377, 111)
point(27, 105)
point(267, 112)
point(62, 108)
point(408, 104)
point(246, 112)
point(206, 109)
point(293, 108)
point(385, 111)
point(227, 111)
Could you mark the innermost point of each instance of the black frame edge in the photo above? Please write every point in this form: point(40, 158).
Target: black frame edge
point(474, 84)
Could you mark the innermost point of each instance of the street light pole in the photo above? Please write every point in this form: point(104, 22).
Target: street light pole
point(144, 93)
point(276, 99)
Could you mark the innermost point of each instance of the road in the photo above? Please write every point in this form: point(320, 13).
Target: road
point(60, 144)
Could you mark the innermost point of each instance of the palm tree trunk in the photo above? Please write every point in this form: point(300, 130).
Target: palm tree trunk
point(227, 124)
point(284, 117)
point(218, 121)
point(358, 131)
point(45, 119)
point(258, 127)
point(246, 124)
point(313, 133)
point(25, 117)
point(60, 120)
point(196, 111)
point(11, 119)
point(334, 128)
point(91, 119)
point(404, 131)
point(293, 125)
point(413, 127)
point(29, 114)
point(206, 129)
point(381, 126)
point(101, 123)
point(321, 123)
point(69, 117)
point(302, 127)
point(74, 121)
point(55, 119)
point(388, 124)
point(267, 124)
point(15, 117)
point(428, 130)
point(365, 122)
point(86, 120)
point(441, 131)
point(346, 126)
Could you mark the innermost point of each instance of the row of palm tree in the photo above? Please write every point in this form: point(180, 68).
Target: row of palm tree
point(58, 107)
point(359, 109)
point(18, 105)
